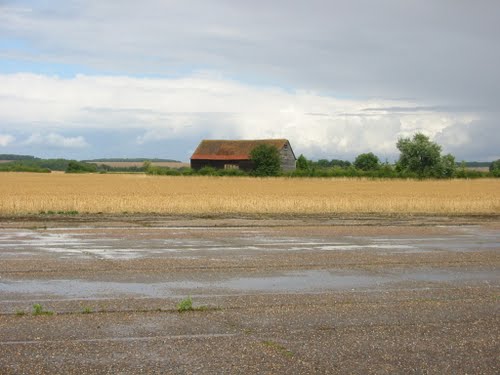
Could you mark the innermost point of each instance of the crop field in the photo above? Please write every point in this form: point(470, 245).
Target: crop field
point(25, 193)
point(125, 164)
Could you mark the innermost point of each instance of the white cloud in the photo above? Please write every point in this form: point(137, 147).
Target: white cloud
point(208, 105)
point(6, 139)
point(56, 140)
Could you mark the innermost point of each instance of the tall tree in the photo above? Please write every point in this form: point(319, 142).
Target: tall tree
point(418, 155)
point(302, 163)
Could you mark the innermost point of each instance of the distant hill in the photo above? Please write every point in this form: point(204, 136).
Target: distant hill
point(130, 160)
point(16, 157)
point(477, 164)
point(12, 162)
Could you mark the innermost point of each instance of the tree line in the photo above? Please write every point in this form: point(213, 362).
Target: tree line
point(419, 158)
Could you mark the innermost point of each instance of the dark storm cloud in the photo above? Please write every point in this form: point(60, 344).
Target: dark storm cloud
point(468, 141)
point(445, 51)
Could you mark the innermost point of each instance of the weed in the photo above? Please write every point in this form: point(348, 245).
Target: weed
point(185, 305)
point(20, 312)
point(71, 212)
point(38, 310)
point(278, 347)
point(87, 310)
point(50, 212)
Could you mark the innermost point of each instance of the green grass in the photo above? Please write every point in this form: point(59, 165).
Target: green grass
point(185, 305)
point(278, 347)
point(20, 312)
point(87, 310)
point(38, 310)
point(50, 212)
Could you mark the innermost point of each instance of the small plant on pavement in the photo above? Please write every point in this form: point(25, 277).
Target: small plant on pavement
point(185, 305)
point(38, 310)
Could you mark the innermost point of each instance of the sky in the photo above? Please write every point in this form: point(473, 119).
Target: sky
point(88, 79)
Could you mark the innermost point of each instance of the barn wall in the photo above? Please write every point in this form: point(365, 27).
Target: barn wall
point(287, 158)
point(245, 165)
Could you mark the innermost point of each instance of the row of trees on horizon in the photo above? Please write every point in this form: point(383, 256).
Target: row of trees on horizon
point(419, 158)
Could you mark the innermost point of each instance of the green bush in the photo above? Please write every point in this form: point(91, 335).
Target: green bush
point(185, 305)
point(367, 162)
point(207, 171)
point(231, 172)
point(79, 167)
point(266, 160)
point(494, 168)
point(185, 171)
point(38, 310)
point(302, 163)
point(20, 167)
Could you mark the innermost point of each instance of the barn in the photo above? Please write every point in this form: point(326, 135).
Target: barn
point(235, 154)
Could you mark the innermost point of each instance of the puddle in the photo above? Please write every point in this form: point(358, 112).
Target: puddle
point(314, 280)
point(290, 282)
point(174, 242)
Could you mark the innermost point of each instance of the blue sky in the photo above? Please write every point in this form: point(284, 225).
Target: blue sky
point(90, 79)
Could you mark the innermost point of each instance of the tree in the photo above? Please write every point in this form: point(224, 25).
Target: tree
point(147, 165)
point(340, 163)
point(322, 163)
point(367, 162)
point(302, 163)
point(266, 160)
point(495, 168)
point(448, 166)
point(421, 157)
point(418, 155)
point(80, 167)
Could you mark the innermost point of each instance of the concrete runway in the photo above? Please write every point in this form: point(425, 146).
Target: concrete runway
point(308, 295)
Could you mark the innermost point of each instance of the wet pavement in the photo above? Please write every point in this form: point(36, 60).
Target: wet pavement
point(276, 298)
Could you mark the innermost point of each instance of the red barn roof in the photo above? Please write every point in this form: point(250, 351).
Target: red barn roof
point(232, 150)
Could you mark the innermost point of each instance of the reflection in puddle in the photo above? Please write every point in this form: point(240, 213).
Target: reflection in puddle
point(290, 282)
point(178, 242)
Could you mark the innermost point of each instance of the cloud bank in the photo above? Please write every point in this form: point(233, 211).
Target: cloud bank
point(336, 77)
point(206, 105)
point(56, 140)
point(5, 139)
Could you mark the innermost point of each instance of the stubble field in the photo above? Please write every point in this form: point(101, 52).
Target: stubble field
point(26, 193)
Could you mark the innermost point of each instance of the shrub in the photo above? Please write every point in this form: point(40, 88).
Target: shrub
point(302, 163)
point(367, 162)
point(185, 305)
point(38, 310)
point(231, 172)
point(79, 167)
point(185, 171)
point(495, 168)
point(207, 171)
point(266, 160)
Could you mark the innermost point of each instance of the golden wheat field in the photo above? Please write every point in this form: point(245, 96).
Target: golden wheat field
point(23, 193)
